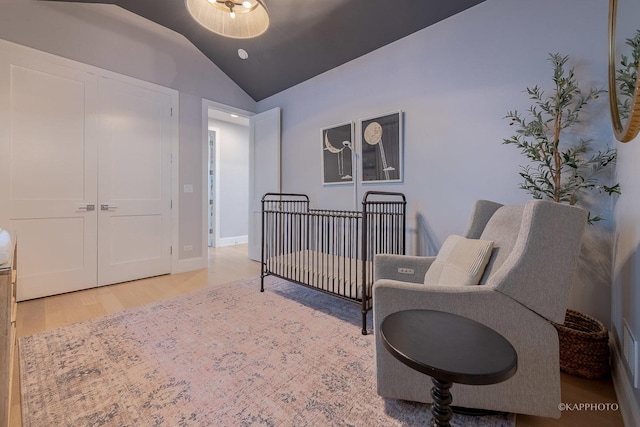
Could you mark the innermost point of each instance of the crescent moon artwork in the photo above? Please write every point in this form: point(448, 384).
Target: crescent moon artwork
point(382, 148)
point(337, 154)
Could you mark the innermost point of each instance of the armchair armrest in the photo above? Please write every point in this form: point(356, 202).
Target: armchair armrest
point(481, 303)
point(404, 268)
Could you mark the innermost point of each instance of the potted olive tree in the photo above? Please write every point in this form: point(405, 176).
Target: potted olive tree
point(564, 167)
point(560, 169)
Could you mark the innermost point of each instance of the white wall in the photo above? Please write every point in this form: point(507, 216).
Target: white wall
point(111, 38)
point(233, 150)
point(455, 81)
point(626, 272)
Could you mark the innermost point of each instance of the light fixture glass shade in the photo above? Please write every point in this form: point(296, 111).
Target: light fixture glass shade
point(215, 15)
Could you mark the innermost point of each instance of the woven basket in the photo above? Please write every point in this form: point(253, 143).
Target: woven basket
point(584, 346)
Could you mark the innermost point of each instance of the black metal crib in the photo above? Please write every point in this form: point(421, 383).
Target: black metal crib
point(331, 250)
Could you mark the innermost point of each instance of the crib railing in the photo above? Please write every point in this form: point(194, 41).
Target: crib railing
point(383, 230)
point(330, 250)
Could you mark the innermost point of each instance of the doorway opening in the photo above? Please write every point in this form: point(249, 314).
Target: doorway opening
point(226, 153)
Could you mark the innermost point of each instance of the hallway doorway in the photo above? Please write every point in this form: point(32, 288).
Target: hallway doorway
point(227, 173)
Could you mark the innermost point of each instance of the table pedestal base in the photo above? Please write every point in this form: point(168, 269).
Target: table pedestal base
point(442, 399)
point(483, 356)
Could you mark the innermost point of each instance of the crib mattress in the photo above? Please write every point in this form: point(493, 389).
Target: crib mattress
point(333, 273)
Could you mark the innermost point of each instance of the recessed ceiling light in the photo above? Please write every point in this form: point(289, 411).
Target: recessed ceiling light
point(243, 54)
point(235, 116)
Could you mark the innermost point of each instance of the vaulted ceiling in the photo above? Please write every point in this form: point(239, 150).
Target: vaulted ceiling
point(305, 37)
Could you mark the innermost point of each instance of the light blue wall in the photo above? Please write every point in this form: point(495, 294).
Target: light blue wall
point(455, 81)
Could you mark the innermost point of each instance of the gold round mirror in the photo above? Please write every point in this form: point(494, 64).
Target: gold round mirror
point(624, 52)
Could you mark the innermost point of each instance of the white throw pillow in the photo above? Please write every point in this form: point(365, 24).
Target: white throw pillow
point(5, 246)
point(460, 262)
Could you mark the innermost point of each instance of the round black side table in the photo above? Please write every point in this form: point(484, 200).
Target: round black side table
point(450, 349)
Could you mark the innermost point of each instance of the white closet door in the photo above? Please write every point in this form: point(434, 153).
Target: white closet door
point(134, 182)
point(52, 157)
point(264, 171)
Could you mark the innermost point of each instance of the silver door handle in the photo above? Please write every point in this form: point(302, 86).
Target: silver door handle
point(88, 208)
point(107, 206)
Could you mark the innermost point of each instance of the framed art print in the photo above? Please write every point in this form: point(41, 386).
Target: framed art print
point(381, 140)
point(337, 154)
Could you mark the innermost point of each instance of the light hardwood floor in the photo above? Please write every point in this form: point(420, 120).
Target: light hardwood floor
point(225, 265)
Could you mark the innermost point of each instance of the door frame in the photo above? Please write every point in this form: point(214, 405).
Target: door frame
point(206, 104)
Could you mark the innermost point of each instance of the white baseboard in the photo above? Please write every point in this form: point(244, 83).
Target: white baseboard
point(190, 264)
point(624, 389)
point(230, 241)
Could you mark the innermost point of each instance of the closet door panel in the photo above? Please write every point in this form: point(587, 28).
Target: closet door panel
point(134, 237)
point(48, 136)
point(52, 149)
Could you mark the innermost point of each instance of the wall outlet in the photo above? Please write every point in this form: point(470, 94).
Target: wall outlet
point(187, 248)
point(405, 270)
point(630, 352)
point(188, 188)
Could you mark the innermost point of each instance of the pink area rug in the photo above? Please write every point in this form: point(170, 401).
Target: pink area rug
point(227, 356)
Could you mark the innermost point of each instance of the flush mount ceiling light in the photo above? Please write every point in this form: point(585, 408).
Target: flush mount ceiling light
point(231, 18)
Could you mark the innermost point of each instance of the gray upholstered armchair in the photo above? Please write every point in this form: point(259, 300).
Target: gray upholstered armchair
point(524, 286)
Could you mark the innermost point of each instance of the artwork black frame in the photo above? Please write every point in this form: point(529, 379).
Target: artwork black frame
point(337, 154)
point(381, 140)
